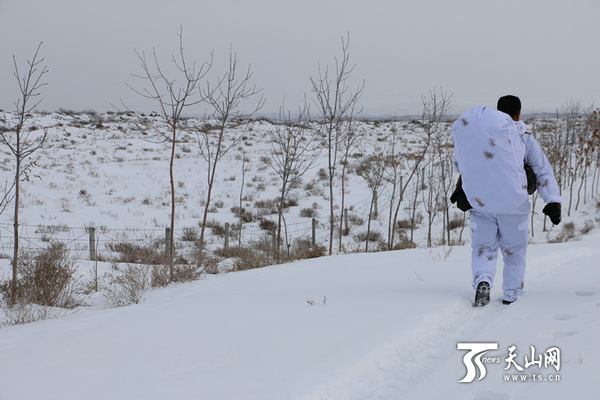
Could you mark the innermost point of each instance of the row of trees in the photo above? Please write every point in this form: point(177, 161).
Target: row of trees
point(572, 142)
point(418, 178)
point(174, 94)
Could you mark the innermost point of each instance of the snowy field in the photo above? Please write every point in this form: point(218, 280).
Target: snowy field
point(116, 178)
point(388, 329)
point(351, 326)
point(111, 172)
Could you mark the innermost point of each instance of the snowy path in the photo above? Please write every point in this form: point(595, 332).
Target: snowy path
point(388, 330)
point(561, 308)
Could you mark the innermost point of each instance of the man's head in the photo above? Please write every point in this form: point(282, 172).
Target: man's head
point(510, 105)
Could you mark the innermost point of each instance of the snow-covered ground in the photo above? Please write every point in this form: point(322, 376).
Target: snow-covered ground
point(354, 326)
point(111, 172)
point(115, 177)
point(382, 326)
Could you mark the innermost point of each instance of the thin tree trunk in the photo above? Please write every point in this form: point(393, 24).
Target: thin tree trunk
point(172, 180)
point(211, 181)
point(280, 218)
point(331, 213)
point(342, 207)
point(15, 271)
point(369, 226)
point(390, 228)
point(583, 175)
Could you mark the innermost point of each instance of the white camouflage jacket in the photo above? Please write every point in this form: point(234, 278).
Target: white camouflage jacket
point(490, 150)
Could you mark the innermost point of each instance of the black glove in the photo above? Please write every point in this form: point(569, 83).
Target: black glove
point(531, 179)
point(552, 210)
point(460, 198)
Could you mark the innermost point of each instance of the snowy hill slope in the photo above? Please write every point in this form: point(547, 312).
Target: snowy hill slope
point(388, 329)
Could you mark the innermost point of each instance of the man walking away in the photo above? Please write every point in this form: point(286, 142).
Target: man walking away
point(491, 149)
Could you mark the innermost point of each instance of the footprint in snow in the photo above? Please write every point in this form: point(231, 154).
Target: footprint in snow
point(557, 335)
point(585, 294)
point(564, 317)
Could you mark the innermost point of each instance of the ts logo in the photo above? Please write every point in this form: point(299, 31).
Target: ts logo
point(477, 350)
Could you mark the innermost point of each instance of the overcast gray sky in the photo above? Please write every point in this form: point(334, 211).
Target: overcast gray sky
point(546, 52)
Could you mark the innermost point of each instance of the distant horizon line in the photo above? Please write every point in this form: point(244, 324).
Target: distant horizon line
point(366, 117)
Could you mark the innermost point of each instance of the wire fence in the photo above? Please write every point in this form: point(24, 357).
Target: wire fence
point(102, 243)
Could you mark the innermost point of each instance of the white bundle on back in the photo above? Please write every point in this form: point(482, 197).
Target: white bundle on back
point(489, 154)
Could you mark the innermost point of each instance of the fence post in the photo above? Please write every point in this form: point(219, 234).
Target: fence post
point(168, 243)
point(314, 232)
point(226, 247)
point(92, 232)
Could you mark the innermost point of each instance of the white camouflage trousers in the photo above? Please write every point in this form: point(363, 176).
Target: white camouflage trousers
point(507, 232)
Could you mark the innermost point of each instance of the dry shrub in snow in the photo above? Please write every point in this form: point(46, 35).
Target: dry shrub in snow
point(130, 252)
point(187, 272)
point(245, 215)
point(457, 221)
point(303, 249)
point(404, 242)
point(249, 257)
point(128, 285)
point(410, 223)
point(374, 236)
point(588, 226)
point(23, 313)
point(567, 232)
point(309, 213)
point(46, 277)
point(205, 265)
point(190, 234)
point(160, 275)
point(267, 224)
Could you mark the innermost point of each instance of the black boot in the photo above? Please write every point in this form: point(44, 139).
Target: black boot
point(482, 294)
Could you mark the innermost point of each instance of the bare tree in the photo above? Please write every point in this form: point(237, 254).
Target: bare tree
point(585, 152)
point(447, 181)
point(23, 142)
point(225, 99)
point(434, 109)
point(372, 170)
point(245, 168)
point(578, 146)
point(439, 177)
point(172, 98)
point(392, 176)
point(293, 153)
point(336, 106)
point(411, 163)
point(350, 141)
point(414, 217)
point(443, 157)
point(594, 126)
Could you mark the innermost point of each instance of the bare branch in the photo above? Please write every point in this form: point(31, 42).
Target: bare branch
point(172, 98)
point(225, 98)
point(21, 145)
point(336, 107)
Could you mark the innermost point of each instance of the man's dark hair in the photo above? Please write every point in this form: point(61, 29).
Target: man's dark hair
point(510, 105)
